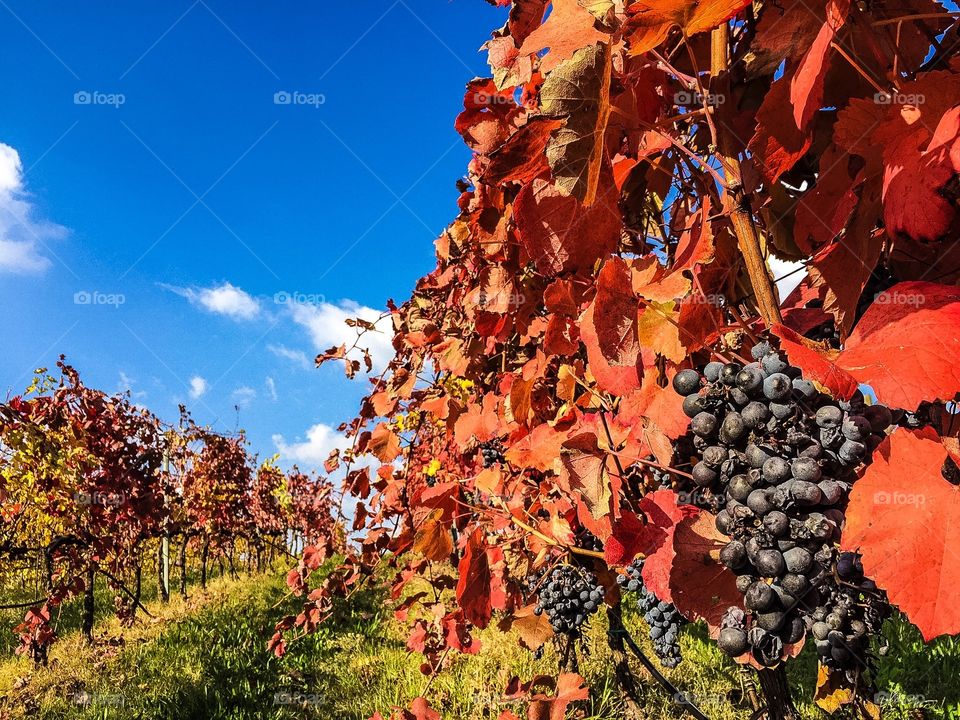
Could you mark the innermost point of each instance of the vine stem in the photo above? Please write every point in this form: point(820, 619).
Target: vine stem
point(735, 199)
point(617, 628)
point(918, 16)
point(776, 690)
point(543, 536)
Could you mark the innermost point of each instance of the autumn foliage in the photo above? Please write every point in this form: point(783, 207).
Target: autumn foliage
point(636, 167)
point(91, 484)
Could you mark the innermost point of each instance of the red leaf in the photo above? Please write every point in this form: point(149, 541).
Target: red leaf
point(384, 443)
point(534, 630)
point(817, 362)
point(907, 343)
point(664, 514)
point(523, 156)
point(651, 20)
point(570, 687)
point(903, 518)
point(421, 710)
point(626, 540)
point(478, 423)
point(633, 536)
point(478, 585)
point(656, 418)
point(538, 450)
point(918, 168)
point(701, 587)
point(433, 537)
point(586, 472)
point(784, 131)
point(806, 87)
point(558, 233)
point(609, 330)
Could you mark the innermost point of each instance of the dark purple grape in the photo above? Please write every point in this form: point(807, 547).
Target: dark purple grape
point(715, 455)
point(686, 382)
point(734, 555)
point(756, 456)
point(805, 389)
point(693, 405)
point(776, 470)
point(804, 468)
point(732, 428)
point(750, 380)
point(772, 364)
point(879, 417)
point(852, 451)
point(704, 475)
point(777, 387)
point(798, 560)
point(776, 523)
point(831, 492)
point(712, 371)
point(733, 641)
point(759, 597)
point(755, 414)
point(704, 424)
point(770, 563)
point(744, 582)
point(771, 621)
point(782, 411)
point(795, 584)
point(855, 427)
point(804, 493)
point(794, 631)
point(739, 488)
point(829, 416)
point(728, 375)
point(724, 522)
point(759, 501)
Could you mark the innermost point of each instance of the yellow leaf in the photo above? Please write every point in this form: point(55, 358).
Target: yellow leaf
point(833, 691)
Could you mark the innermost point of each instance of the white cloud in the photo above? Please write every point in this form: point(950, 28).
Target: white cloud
point(296, 356)
point(315, 449)
point(271, 388)
point(198, 387)
point(243, 396)
point(21, 233)
point(126, 383)
point(224, 299)
point(327, 326)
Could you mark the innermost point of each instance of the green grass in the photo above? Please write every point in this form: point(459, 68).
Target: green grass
point(207, 659)
point(68, 618)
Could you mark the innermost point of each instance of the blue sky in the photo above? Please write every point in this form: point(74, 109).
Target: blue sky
point(170, 170)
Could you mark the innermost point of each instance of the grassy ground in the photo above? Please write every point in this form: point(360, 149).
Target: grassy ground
point(206, 658)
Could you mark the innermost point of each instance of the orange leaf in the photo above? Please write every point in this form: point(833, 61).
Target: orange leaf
point(433, 538)
point(569, 28)
point(650, 21)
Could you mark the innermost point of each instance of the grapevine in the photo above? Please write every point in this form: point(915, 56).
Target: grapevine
point(601, 366)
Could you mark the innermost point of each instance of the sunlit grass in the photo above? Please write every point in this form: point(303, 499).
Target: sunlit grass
point(207, 658)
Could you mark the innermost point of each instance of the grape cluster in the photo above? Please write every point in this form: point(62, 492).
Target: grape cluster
point(568, 596)
point(585, 539)
point(852, 610)
point(663, 619)
point(782, 455)
point(492, 452)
